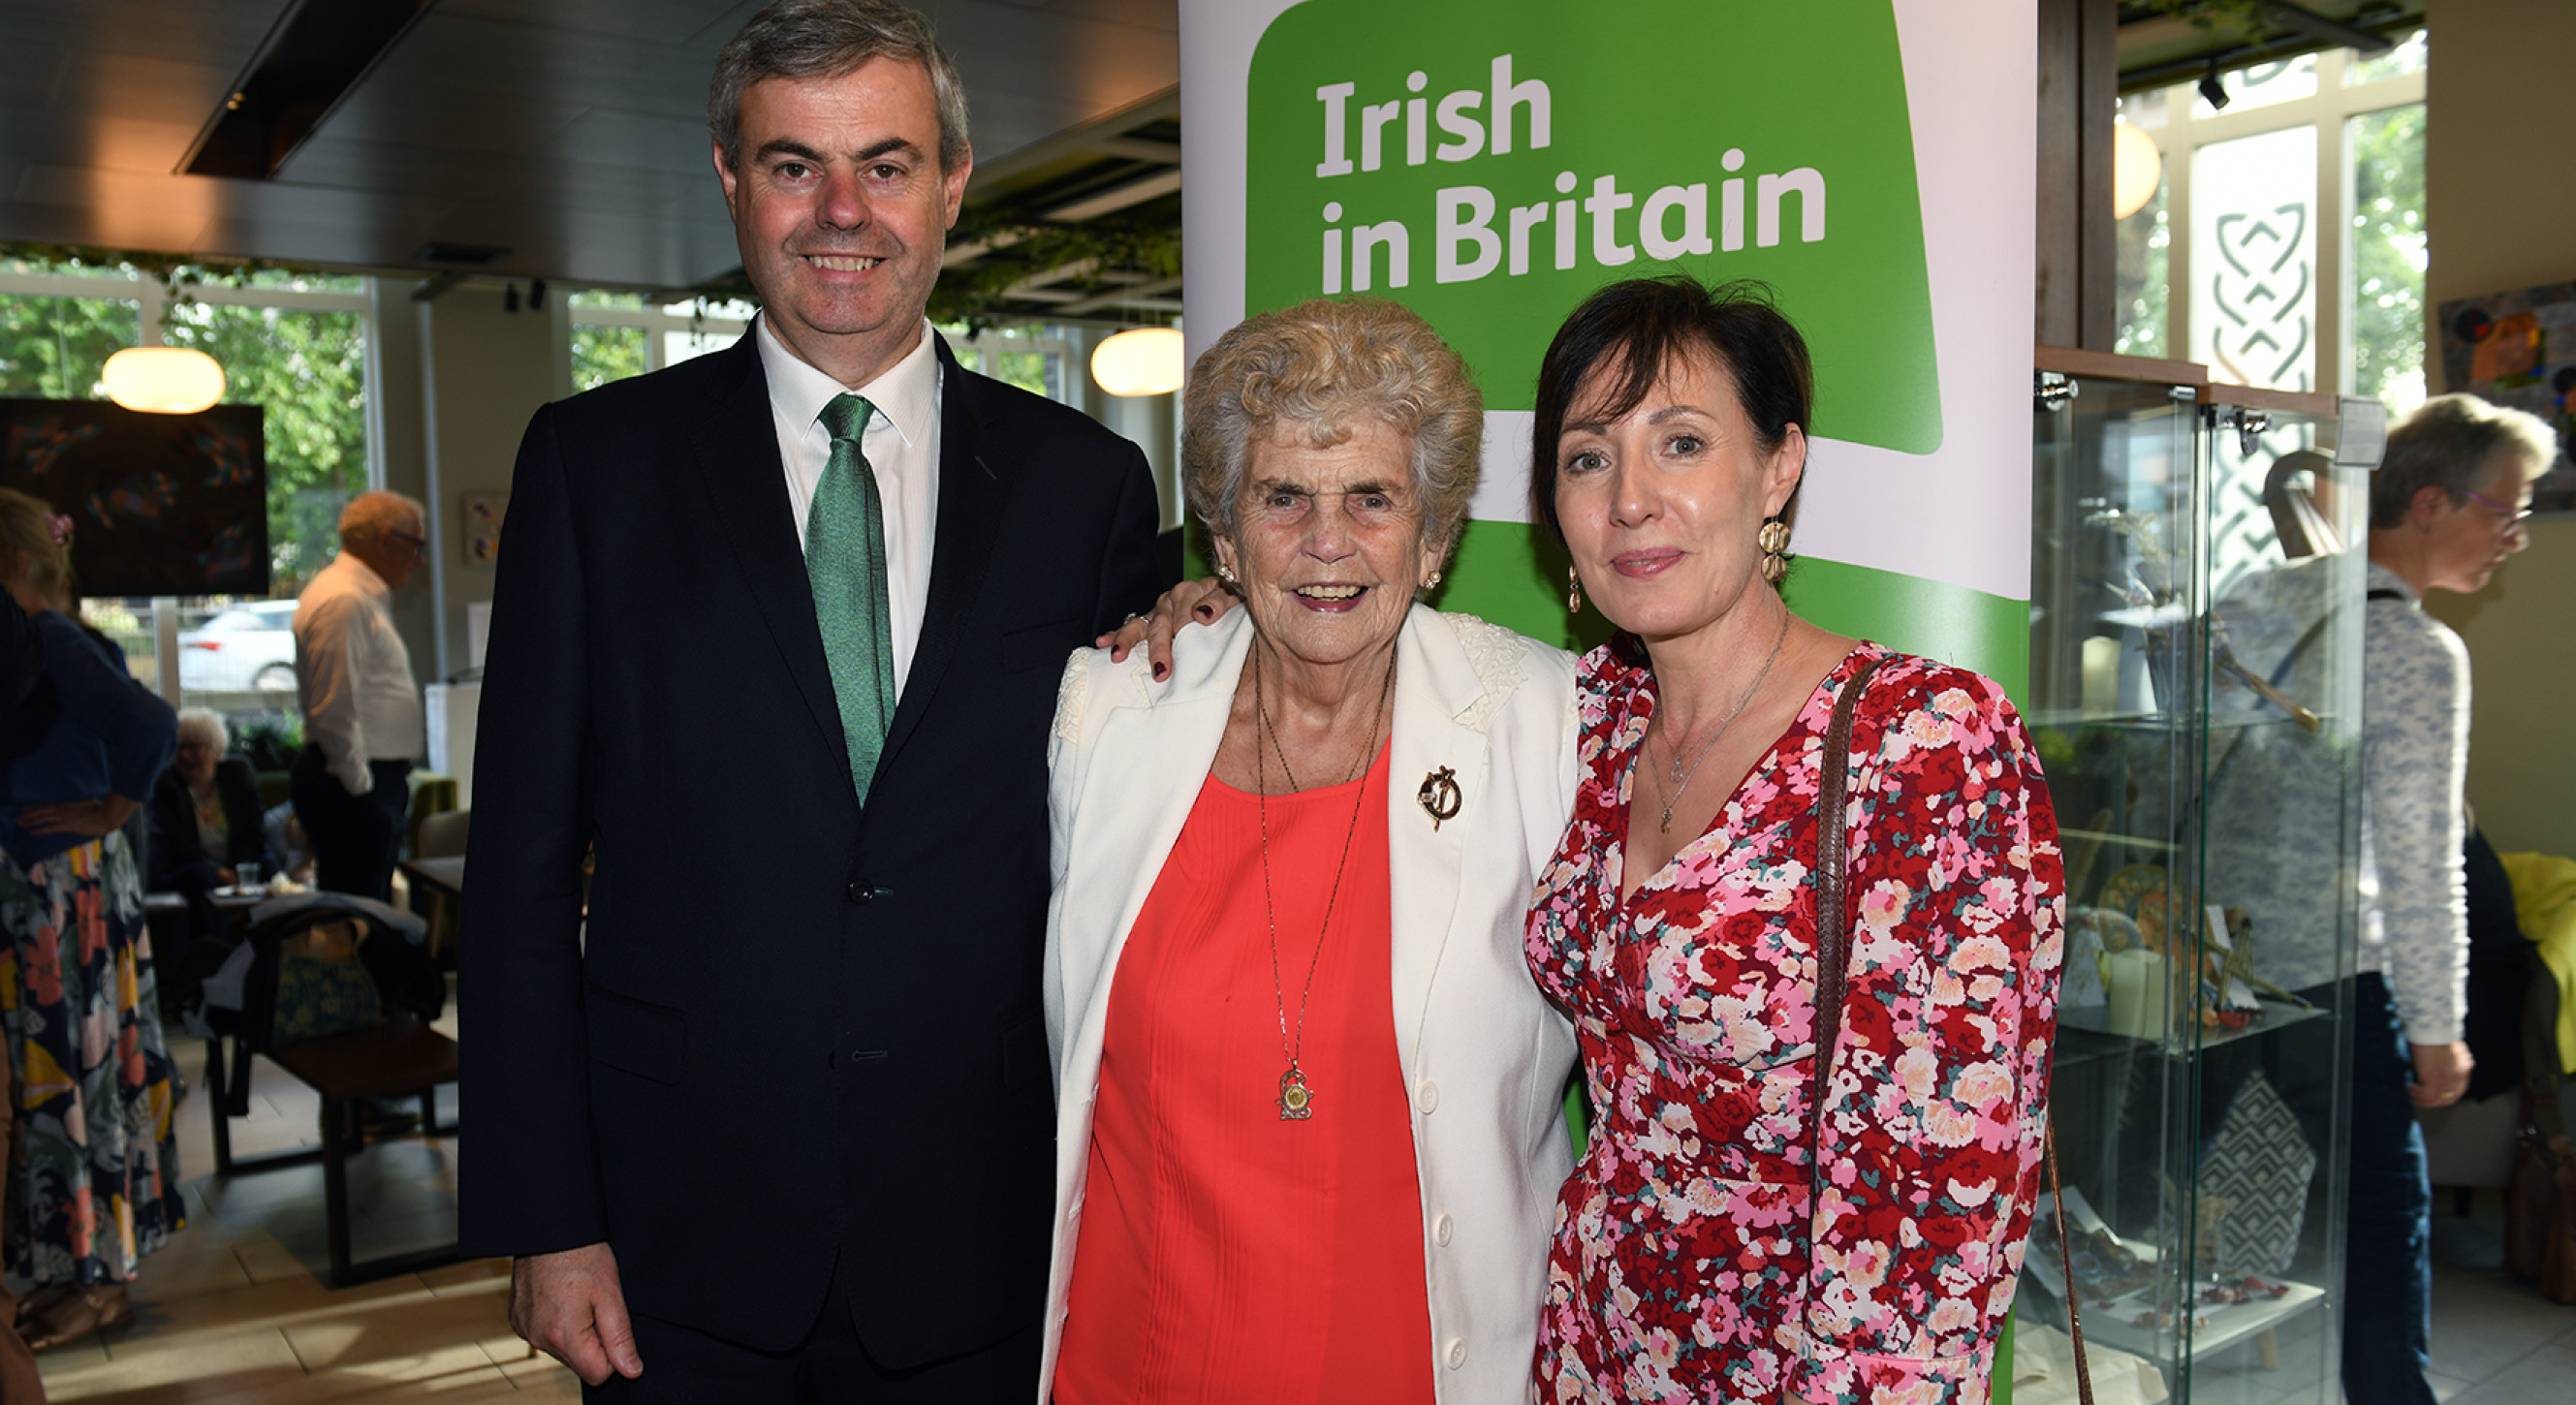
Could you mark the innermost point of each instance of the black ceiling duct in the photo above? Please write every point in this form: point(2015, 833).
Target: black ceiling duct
point(319, 50)
point(458, 255)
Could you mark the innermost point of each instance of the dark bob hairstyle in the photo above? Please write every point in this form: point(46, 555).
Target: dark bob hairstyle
point(1647, 324)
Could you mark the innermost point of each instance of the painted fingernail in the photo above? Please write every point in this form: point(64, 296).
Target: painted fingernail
point(1205, 612)
point(1159, 671)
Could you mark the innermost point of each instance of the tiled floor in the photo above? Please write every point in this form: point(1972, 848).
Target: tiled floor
point(2496, 1341)
point(235, 1310)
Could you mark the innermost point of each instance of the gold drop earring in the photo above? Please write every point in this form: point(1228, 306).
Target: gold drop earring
point(1774, 541)
point(1573, 591)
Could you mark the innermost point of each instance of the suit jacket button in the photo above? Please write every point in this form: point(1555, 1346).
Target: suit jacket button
point(861, 893)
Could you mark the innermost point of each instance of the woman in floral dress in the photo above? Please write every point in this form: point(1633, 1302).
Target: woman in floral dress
point(94, 1185)
point(1677, 922)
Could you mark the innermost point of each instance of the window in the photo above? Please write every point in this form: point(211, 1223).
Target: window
point(2286, 248)
point(293, 343)
point(616, 335)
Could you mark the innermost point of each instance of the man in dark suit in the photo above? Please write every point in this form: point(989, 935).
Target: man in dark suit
point(776, 643)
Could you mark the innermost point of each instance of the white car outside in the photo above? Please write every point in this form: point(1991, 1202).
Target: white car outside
point(245, 649)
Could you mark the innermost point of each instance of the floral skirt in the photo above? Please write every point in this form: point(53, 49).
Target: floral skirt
point(95, 1182)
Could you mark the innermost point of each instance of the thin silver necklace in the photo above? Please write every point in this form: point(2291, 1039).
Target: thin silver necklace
point(1296, 1100)
point(1681, 778)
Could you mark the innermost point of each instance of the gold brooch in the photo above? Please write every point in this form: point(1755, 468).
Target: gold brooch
point(1440, 796)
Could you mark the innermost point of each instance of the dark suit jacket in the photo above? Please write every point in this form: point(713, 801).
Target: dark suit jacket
point(177, 852)
point(819, 1039)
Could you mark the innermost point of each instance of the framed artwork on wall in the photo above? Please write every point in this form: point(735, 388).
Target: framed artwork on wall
point(483, 514)
point(160, 504)
point(2519, 349)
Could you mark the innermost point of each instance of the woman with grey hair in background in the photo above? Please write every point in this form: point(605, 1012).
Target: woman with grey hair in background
point(1309, 1128)
point(2446, 508)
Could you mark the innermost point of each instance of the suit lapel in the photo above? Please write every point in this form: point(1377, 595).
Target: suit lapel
point(970, 500)
point(1435, 685)
point(737, 460)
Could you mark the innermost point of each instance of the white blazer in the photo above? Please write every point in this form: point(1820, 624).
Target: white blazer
point(1486, 1057)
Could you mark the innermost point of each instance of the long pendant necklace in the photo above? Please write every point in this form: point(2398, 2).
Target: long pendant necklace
point(1296, 1100)
point(1681, 778)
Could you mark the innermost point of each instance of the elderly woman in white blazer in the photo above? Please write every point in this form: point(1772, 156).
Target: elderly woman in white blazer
point(1310, 1122)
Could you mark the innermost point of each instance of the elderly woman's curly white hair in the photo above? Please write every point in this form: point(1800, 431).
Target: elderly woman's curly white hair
point(1320, 366)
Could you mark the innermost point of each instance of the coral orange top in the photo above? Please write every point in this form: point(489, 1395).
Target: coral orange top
point(1226, 1253)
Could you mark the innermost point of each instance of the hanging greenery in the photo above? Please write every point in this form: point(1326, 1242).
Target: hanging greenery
point(178, 274)
point(1111, 252)
point(2246, 17)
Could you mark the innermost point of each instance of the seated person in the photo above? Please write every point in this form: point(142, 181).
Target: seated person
point(206, 815)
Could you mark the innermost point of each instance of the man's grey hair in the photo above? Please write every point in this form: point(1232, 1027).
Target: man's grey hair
point(1322, 367)
point(2452, 442)
point(825, 39)
point(202, 724)
point(371, 517)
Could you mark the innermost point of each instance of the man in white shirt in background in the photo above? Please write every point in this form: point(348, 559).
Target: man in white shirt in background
point(362, 709)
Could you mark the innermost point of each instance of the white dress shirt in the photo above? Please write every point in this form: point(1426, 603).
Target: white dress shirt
point(902, 446)
point(353, 675)
point(2415, 766)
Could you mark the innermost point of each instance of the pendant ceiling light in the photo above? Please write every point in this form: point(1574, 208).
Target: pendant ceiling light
point(1142, 361)
point(163, 380)
point(2137, 168)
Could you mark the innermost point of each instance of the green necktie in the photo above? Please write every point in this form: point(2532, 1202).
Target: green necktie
point(845, 560)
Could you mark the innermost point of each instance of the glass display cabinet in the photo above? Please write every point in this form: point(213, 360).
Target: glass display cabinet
point(2195, 674)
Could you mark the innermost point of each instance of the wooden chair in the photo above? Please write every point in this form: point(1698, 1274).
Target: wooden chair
point(390, 1060)
point(376, 1047)
point(442, 836)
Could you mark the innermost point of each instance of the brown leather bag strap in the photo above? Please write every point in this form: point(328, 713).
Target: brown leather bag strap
point(1833, 960)
point(2065, 1265)
point(1833, 924)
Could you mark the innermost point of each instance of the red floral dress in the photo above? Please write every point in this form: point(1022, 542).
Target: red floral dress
point(1680, 1269)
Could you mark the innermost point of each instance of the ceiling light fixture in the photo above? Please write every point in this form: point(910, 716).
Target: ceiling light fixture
point(2212, 91)
point(1139, 361)
point(163, 380)
point(2137, 168)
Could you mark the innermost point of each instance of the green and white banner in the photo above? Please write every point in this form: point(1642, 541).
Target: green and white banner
point(1489, 163)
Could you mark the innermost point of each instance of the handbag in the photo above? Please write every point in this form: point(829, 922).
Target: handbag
point(1833, 959)
point(2540, 1211)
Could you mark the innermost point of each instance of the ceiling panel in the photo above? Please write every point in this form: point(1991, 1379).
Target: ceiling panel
point(571, 131)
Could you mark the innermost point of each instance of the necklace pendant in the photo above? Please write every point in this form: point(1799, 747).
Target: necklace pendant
point(1296, 1100)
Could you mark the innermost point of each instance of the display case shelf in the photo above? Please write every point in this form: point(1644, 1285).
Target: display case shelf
point(2194, 680)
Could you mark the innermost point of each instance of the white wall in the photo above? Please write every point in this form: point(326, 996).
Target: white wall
point(2502, 217)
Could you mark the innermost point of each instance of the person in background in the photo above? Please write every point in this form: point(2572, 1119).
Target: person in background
point(28, 707)
point(362, 711)
point(2446, 508)
point(206, 815)
point(1678, 922)
point(94, 1080)
point(206, 823)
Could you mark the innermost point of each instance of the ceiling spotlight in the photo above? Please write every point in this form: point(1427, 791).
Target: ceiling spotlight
point(536, 293)
point(2212, 91)
point(510, 298)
